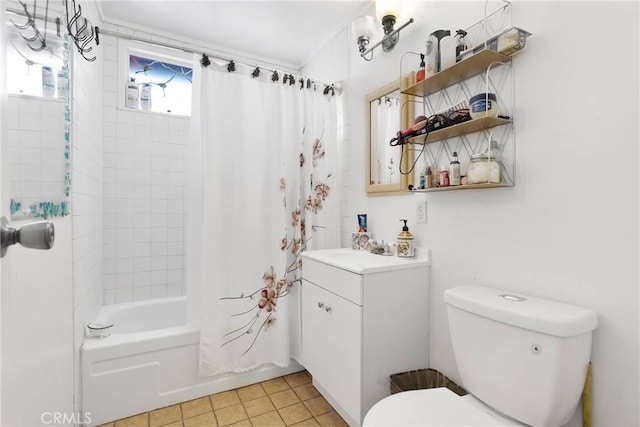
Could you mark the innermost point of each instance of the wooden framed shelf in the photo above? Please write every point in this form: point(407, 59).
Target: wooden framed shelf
point(460, 187)
point(462, 70)
point(470, 126)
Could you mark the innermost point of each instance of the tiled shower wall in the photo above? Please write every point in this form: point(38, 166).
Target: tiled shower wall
point(36, 149)
point(144, 196)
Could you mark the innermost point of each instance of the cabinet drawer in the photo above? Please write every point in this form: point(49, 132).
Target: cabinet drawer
point(335, 280)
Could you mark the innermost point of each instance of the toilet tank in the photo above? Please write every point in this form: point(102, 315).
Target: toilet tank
point(525, 357)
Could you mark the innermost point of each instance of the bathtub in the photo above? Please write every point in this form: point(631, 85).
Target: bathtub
point(150, 360)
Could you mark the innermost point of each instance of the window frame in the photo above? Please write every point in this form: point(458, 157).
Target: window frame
point(164, 54)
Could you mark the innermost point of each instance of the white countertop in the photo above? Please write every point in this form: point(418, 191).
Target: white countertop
point(364, 262)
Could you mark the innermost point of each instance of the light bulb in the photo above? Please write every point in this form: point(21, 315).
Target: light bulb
point(364, 27)
point(388, 8)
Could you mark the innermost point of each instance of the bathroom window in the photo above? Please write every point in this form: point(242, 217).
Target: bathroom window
point(155, 79)
point(35, 72)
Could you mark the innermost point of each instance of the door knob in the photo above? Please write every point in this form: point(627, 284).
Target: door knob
point(36, 235)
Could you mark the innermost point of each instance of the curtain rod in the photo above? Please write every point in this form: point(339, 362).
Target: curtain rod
point(335, 86)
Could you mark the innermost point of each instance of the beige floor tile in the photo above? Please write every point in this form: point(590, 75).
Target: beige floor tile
point(243, 423)
point(318, 406)
point(311, 422)
point(202, 420)
point(270, 419)
point(107, 425)
point(298, 379)
point(164, 416)
point(231, 414)
point(331, 419)
point(275, 385)
point(284, 398)
point(224, 399)
point(141, 420)
point(196, 407)
point(258, 406)
point(176, 424)
point(294, 414)
point(251, 392)
point(306, 392)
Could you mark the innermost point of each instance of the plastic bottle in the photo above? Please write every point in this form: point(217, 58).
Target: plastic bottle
point(132, 97)
point(447, 51)
point(429, 178)
point(145, 97)
point(61, 90)
point(48, 82)
point(432, 56)
point(454, 170)
point(444, 176)
point(420, 74)
point(461, 44)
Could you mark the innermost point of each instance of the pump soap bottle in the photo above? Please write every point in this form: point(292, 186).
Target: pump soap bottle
point(405, 242)
point(420, 74)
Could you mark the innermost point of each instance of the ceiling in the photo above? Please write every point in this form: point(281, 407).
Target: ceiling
point(287, 32)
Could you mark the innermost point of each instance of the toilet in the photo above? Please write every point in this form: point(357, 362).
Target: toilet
point(522, 359)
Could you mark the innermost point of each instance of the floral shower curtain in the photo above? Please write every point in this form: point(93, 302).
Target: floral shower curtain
point(269, 192)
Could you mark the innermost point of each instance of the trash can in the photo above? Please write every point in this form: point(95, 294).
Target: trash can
point(422, 379)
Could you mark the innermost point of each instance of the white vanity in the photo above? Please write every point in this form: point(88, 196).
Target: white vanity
point(364, 318)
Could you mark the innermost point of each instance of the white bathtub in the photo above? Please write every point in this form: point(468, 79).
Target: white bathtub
point(151, 361)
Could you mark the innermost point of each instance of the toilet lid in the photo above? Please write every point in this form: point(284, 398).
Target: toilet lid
point(433, 407)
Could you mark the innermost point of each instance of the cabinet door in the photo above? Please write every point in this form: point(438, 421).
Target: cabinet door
point(344, 349)
point(314, 331)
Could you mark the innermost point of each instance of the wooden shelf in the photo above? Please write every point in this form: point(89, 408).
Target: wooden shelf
point(470, 126)
point(460, 187)
point(460, 71)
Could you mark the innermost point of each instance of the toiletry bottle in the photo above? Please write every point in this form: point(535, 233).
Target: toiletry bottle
point(132, 95)
point(145, 97)
point(454, 170)
point(444, 176)
point(432, 56)
point(447, 51)
point(420, 75)
point(405, 247)
point(461, 45)
point(429, 177)
point(61, 85)
point(423, 180)
point(48, 82)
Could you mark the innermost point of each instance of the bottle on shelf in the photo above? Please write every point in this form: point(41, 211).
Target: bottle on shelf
point(420, 74)
point(132, 94)
point(444, 176)
point(145, 97)
point(454, 170)
point(461, 44)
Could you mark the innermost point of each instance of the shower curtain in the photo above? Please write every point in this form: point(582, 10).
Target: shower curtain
point(269, 192)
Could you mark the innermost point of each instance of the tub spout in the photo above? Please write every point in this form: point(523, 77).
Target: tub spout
point(98, 330)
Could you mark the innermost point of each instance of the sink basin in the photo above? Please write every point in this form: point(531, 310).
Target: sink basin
point(363, 262)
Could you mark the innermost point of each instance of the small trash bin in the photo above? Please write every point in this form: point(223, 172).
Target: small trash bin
point(422, 379)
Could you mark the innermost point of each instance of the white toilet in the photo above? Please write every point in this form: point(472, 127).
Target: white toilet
point(523, 361)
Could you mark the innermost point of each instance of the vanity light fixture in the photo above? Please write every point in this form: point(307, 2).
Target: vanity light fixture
point(364, 27)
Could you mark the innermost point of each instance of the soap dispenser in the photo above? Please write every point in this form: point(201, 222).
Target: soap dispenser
point(420, 74)
point(405, 247)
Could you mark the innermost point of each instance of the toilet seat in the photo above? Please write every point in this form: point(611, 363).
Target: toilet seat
point(433, 407)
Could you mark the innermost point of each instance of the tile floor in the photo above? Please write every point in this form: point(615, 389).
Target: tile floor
point(285, 401)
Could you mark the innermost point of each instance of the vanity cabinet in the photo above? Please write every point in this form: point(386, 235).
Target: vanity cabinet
point(364, 318)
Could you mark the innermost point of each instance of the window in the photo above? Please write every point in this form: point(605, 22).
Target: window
point(35, 72)
point(156, 79)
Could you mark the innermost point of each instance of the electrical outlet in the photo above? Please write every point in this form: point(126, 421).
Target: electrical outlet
point(421, 212)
